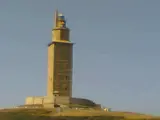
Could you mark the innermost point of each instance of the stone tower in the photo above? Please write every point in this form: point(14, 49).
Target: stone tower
point(60, 59)
point(59, 86)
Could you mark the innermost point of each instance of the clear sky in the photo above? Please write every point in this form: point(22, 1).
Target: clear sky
point(116, 55)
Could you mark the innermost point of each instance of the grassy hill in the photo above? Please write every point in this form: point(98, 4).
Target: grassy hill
point(50, 114)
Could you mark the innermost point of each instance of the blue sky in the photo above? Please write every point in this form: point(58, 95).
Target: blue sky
point(116, 55)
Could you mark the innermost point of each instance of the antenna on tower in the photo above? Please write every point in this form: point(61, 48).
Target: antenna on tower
point(55, 18)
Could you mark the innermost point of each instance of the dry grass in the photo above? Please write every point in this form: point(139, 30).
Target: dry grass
point(128, 115)
point(50, 114)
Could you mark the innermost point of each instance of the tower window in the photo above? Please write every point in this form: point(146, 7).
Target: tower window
point(66, 77)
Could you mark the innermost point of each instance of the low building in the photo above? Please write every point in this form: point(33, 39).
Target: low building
point(60, 100)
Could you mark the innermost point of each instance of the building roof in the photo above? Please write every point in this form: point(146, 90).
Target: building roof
point(82, 101)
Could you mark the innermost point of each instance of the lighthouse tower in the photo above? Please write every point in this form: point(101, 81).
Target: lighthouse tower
point(60, 59)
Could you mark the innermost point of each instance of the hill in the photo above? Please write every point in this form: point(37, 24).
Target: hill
point(50, 114)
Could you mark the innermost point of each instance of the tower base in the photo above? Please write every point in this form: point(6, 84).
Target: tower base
point(47, 101)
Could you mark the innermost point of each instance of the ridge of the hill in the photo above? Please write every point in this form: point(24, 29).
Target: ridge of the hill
point(51, 114)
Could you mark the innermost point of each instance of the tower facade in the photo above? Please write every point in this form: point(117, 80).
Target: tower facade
point(60, 59)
